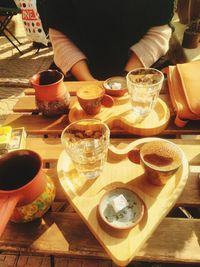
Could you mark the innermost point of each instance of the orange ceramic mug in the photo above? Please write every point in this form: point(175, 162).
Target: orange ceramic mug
point(51, 96)
point(92, 97)
point(22, 180)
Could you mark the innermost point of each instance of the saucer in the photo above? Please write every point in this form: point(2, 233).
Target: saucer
point(125, 217)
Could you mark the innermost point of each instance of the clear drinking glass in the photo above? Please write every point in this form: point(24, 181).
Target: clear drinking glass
point(144, 85)
point(86, 142)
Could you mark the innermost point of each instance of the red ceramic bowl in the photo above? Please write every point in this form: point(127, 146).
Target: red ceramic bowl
point(115, 86)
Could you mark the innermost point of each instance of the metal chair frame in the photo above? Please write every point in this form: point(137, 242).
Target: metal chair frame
point(8, 13)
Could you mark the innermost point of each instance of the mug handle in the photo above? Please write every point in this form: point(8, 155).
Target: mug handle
point(107, 101)
point(7, 206)
point(134, 155)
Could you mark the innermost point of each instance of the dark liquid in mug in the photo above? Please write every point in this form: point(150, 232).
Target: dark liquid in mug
point(17, 171)
point(49, 77)
point(158, 160)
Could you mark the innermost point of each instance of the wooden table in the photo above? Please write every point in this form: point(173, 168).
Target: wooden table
point(61, 236)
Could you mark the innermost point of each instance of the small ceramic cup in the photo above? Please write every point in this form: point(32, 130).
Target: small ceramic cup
point(160, 160)
point(92, 97)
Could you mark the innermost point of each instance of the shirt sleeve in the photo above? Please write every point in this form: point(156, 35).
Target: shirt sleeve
point(153, 45)
point(66, 53)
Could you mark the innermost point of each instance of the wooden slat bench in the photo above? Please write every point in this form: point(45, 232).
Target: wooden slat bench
point(61, 232)
point(61, 238)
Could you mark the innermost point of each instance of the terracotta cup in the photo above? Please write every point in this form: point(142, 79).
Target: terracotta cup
point(92, 97)
point(22, 181)
point(160, 160)
point(51, 95)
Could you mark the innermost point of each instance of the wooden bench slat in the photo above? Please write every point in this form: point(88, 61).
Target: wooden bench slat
point(62, 261)
point(38, 124)
point(24, 259)
point(56, 234)
point(35, 124)
point(27, 104)
point(72, 86)
point(191, 193)
point(50, 148)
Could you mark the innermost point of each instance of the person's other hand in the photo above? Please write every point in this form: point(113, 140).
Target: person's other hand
point(81, 71)
point(133, 62)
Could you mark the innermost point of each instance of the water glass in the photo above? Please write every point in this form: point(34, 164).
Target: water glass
point(86, 143)
point(144, 85)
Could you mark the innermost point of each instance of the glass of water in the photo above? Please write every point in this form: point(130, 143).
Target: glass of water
point(144, 85)
point(86, 143)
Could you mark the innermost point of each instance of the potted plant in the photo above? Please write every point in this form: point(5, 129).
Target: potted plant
point(191, 35)
point(188, 10)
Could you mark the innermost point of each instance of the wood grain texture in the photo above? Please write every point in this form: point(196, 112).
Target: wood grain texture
point(85, 195)
point(72, 87)
point(61, 232)
point(121, 116)
point(57, 235)
point(43, 125)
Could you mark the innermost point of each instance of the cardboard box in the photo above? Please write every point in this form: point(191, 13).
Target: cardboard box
point(12, 139)
point(5, 137)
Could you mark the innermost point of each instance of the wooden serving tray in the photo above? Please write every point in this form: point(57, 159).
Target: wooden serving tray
point(84, 195)
point(120, 115)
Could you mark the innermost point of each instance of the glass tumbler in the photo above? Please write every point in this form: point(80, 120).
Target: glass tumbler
point(144, 85)
point(86, 143)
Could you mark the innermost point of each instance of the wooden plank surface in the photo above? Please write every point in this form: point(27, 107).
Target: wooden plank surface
point(50, 149)
point(56, 234)
point(85, 196)
point(38, 124)
point(27, 103)
point(17, 237)
point(119, 116)
point(72, 87)
point(24, 260)
point(176, 240)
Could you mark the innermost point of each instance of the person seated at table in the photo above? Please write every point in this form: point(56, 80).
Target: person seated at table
point(98, 39)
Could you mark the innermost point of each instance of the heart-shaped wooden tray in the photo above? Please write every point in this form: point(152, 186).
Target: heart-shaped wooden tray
point(84, 195)
point(121, 116)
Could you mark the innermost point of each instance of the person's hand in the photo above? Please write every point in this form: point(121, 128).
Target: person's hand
point(133, 62)
point(81, 71)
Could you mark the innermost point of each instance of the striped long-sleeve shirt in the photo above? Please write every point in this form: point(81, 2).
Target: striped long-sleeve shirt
point(149, 49)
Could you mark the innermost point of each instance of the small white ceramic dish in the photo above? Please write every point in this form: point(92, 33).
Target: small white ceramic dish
point(127, 217)
point(115, 86)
